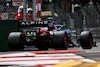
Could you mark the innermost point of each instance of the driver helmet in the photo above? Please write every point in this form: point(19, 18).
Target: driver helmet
point(29, 11)
point(51, 19)
point(20, 9)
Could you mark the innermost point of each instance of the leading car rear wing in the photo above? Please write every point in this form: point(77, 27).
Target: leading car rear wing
point(33, 24)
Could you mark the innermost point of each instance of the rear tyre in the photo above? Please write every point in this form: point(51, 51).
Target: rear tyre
point(60, 41)
point(86, 40)
point(15, 41)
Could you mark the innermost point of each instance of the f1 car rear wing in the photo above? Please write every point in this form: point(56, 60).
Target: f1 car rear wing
point(34, 24)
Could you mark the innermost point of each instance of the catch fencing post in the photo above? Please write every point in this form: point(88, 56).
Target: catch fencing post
point(34, 9)
point(37, 9)
point(24, 10)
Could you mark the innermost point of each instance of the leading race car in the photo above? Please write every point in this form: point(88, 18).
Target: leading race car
point(42, 35)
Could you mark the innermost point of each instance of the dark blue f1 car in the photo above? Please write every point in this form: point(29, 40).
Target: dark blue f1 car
point(42, 35)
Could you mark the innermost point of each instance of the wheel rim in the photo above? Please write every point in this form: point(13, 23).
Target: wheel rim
point(90, 39)
point(65, 40)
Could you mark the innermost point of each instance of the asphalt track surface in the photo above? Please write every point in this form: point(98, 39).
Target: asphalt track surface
point(93, 53)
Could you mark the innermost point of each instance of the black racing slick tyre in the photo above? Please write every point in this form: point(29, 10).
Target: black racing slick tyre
point(59, 40)
point(14, 41)
point(86, 40)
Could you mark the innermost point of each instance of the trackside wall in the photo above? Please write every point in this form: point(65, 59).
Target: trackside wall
point(92, 15)
point(6, 26)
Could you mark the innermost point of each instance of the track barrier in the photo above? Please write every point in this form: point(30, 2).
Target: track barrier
point(6, 26)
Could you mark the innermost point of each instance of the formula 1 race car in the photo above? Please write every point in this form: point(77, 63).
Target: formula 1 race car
point(42, 35)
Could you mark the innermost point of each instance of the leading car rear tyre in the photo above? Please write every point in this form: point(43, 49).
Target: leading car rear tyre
point(14, 41)
point(59, 40)
point(86, 40)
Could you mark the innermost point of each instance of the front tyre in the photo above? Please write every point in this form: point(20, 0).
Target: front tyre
point(86, 40)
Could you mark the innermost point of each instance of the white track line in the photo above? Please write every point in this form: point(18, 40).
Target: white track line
point(92, 51)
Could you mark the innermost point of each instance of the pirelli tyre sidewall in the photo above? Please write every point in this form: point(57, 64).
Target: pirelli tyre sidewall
point(59, 40)
point(86, 40)
point(14, 41)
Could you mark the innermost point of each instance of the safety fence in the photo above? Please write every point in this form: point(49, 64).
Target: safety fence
point(9, 8)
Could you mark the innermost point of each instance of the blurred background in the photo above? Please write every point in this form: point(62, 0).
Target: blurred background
point(74, 14)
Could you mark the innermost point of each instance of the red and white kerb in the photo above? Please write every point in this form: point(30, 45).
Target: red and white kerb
point(40, 58)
